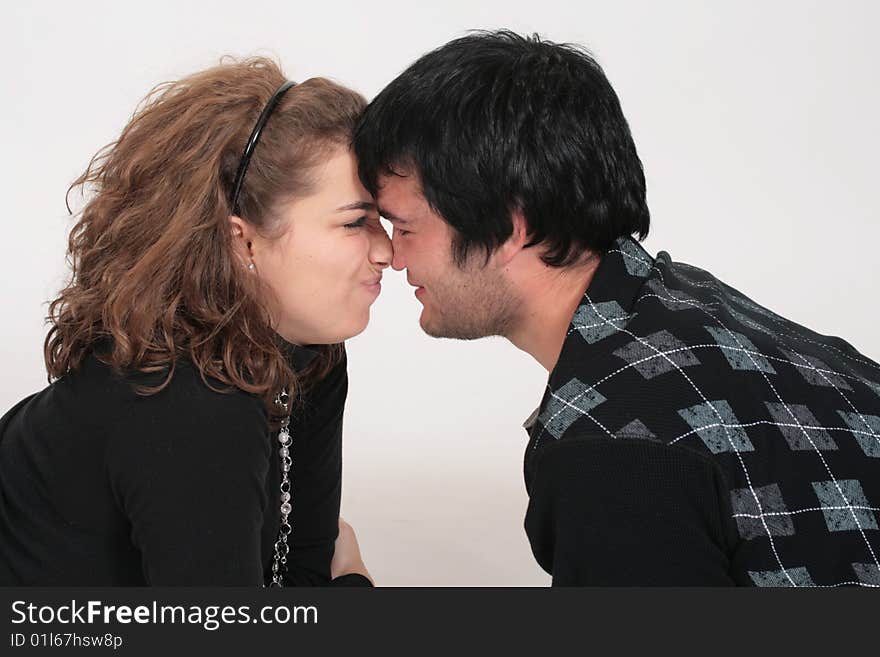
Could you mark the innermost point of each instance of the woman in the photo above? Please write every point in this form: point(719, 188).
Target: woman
point(188, 437)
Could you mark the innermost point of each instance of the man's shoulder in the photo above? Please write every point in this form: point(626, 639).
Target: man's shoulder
point(694, 363)
point(681, 381)
point(629, 452)
point(695, 305)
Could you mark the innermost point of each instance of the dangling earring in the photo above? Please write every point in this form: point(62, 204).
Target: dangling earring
point(251, 266)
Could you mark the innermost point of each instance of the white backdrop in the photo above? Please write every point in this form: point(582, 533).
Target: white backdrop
point(756, 123)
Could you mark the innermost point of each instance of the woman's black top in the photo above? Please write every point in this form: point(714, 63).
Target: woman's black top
point(101, 486)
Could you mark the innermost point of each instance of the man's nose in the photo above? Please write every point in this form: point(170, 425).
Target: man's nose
point(397, 261)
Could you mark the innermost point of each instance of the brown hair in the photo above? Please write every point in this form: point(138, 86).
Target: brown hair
point(153, 268)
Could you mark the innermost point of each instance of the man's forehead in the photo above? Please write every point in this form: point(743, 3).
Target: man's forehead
point(399, 197)
point(399, 181)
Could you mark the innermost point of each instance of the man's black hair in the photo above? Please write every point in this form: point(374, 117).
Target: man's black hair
point(493, 122)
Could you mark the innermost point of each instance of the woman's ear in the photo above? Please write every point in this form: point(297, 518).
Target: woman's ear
point(242, 243)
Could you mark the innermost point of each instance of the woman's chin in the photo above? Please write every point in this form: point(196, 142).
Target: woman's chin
point(360, 325)
point(354, 325)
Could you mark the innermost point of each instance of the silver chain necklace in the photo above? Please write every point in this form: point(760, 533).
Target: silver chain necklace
point(279, 563)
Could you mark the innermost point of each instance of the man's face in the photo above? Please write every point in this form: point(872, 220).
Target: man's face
point(468, 302)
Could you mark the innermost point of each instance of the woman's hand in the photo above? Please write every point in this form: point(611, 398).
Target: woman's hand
point(347, 558)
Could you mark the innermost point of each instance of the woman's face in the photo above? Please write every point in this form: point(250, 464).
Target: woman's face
point(324, 269)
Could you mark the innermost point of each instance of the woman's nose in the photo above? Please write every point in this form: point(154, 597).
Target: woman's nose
point(381, 252)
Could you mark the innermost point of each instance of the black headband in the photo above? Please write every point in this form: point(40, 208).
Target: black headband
point(252, 143)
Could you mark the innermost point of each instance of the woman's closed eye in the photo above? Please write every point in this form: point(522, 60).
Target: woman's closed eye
point(361, 222)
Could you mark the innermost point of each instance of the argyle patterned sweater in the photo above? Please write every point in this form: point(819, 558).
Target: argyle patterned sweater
point(689, 436)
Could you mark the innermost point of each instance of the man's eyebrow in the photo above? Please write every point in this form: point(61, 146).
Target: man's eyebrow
point(358, 205)
point(391, 217)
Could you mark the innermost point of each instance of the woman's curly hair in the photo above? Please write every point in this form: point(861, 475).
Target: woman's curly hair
point(153, 272)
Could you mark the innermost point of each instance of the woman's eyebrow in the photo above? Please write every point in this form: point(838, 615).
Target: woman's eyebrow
point(358, 205)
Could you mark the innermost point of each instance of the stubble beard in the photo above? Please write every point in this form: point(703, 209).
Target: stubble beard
point(469, 306)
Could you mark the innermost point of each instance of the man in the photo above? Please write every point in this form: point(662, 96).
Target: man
point(687, 436)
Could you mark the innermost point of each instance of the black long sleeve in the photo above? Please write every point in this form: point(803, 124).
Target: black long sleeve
point(188, 472)
point(627, 512)
point(694, 436)
point(102, 486)
point(317, 482)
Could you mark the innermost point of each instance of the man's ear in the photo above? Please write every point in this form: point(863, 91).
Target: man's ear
point(517, 241)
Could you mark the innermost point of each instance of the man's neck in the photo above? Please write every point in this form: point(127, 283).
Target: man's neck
point(549, 299)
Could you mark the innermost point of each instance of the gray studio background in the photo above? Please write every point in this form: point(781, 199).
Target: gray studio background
point(756, 123)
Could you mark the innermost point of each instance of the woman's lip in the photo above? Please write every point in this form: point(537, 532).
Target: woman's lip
point(374, 287)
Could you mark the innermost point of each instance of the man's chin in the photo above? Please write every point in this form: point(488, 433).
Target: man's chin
point(437, 329)
point(429, 326)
